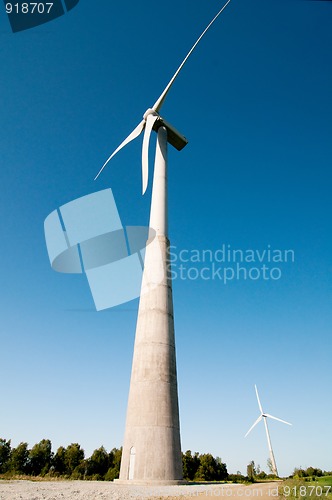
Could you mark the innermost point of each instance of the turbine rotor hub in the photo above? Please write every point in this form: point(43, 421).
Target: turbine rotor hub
point(148, 112)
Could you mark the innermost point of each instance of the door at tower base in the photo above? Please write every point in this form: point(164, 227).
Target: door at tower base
point(131, 463)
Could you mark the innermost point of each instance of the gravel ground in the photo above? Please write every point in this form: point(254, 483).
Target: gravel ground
point(98, 490)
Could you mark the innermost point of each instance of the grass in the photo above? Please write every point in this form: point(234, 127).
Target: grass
point(324, 481)
point(307, 489)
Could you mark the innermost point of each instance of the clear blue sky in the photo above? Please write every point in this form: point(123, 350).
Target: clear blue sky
point(255, 103)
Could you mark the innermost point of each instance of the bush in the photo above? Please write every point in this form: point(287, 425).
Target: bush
point(236, 478)
point(111, 474)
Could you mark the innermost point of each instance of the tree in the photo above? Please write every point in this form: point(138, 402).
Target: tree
point(74, 455)
point(59, 461)
point(40, 458)
point(115, 462)
point(203, 467)
point(207, 470)
point(299, 472)
point(190, 465)
point(5, 452)
point(99, 463)
point(221, 469)
point(313, 471)
point(80, 471)
point(19, 459)
point(251, 471)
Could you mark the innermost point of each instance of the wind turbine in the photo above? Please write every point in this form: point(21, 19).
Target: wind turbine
point(152, 448)
point(153, 121)
point(264, 416)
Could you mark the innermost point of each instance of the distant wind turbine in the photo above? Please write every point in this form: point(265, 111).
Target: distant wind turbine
point(263, 416)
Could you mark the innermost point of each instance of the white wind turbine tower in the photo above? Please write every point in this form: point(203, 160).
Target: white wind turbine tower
point(152, 450)
point(264, 416)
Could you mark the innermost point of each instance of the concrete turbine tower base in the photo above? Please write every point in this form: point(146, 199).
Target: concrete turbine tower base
point(152, 450)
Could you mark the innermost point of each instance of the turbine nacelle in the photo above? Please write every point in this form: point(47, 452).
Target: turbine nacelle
point(174, 137)
point(151, 121)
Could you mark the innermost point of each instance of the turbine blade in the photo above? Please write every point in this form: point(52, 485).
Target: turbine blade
point(135, 133)
point(158, 104)
point(145, 150)
point(279, 419)
point(259, 403)
point(251, 428)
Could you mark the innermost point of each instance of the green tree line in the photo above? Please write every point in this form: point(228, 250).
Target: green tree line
point(254, 472)
point(70, 462)
point(309, 472)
